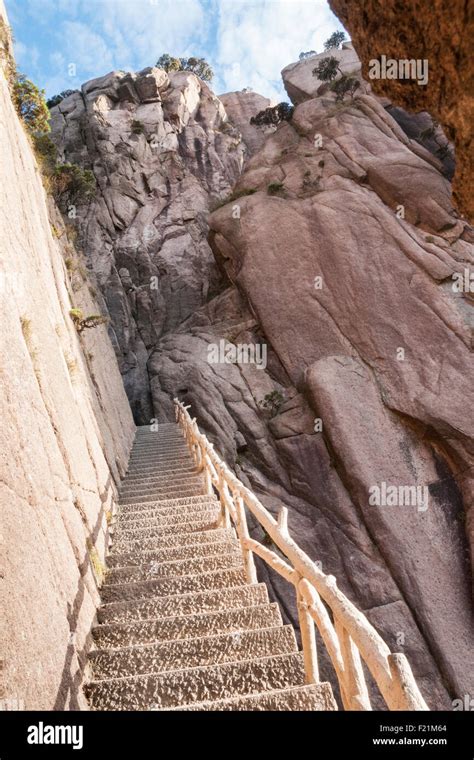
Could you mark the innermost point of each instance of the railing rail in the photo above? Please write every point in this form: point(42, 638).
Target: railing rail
point(348, 636)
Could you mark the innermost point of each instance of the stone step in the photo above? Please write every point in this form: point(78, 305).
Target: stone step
point(192, 551)
point(206, 521)
point(152, 473)
point(184, 604)
point(145, 482)
point(160, 494)
point(201, 512)
point(153, 570)
point(172, 586)
point(201, 684)
point(309, 698)
point(149, 514)
point(192, 653)
point(141, 457)
point(156, 465)
point(159, 503)
point(116, 635)
point(161, 487)
point(173, 539)
point(161, 490)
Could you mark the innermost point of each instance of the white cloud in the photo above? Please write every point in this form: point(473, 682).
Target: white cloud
point(255, 40)
point(149, 29)
point(86, 49)
point(247, 42)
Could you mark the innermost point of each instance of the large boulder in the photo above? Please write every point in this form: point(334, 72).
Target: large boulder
point(444, 40)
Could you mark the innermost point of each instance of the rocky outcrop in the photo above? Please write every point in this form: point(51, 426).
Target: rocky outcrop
point(334, 254)
point(300, 82)
point(163, 151)
point(240, 107)
point(440, 33)
point(65, 437)
point(345, 247)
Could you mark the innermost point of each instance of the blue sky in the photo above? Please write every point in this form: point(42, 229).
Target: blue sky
point(247, 42)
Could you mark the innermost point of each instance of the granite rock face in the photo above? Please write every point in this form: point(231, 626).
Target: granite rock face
point(332, 263)
point(65, 436)
point(345, 248)
point(441, 34)
point(163, 151)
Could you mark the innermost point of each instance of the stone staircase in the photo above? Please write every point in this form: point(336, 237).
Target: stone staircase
point(180, 628)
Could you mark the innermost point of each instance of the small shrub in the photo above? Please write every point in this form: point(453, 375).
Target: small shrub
point(31, 105)
point(334, 40)
point(82, 323)
point(275, 187)
point(45, 152)
point(272, 402)
point(327, 69)
point(198, 66)
point(274, 115)
point(72, 185)
point(308, 54)
point(137, 127)
point(58, 98)
point(345, 85)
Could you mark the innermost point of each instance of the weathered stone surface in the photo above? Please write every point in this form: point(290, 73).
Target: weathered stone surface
point(301, 84)
point(240, 107)
point(65, 436)
point(150, 83)
point(444, 40)
point(163, 151)
point(386, 285)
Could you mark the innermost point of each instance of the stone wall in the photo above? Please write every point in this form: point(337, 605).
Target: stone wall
point(65, 437)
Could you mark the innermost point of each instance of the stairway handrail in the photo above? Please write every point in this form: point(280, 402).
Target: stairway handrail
point(348, 637)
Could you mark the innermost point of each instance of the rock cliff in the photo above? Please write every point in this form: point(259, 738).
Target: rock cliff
point(163, 152)
point(65, 437)
point(334, 242)
point(440, 33)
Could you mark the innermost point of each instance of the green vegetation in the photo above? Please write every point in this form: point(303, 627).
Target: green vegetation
point(273, 115)
point(334, 40)
point(31, 105)
point(83, 323)
point(272, 402)
point(345, 85)
point(308, 54)
point(198, 66)
point(327, 69)
point(58, 98)
point(70, 184)
point(137, 127)
point(275, 187)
